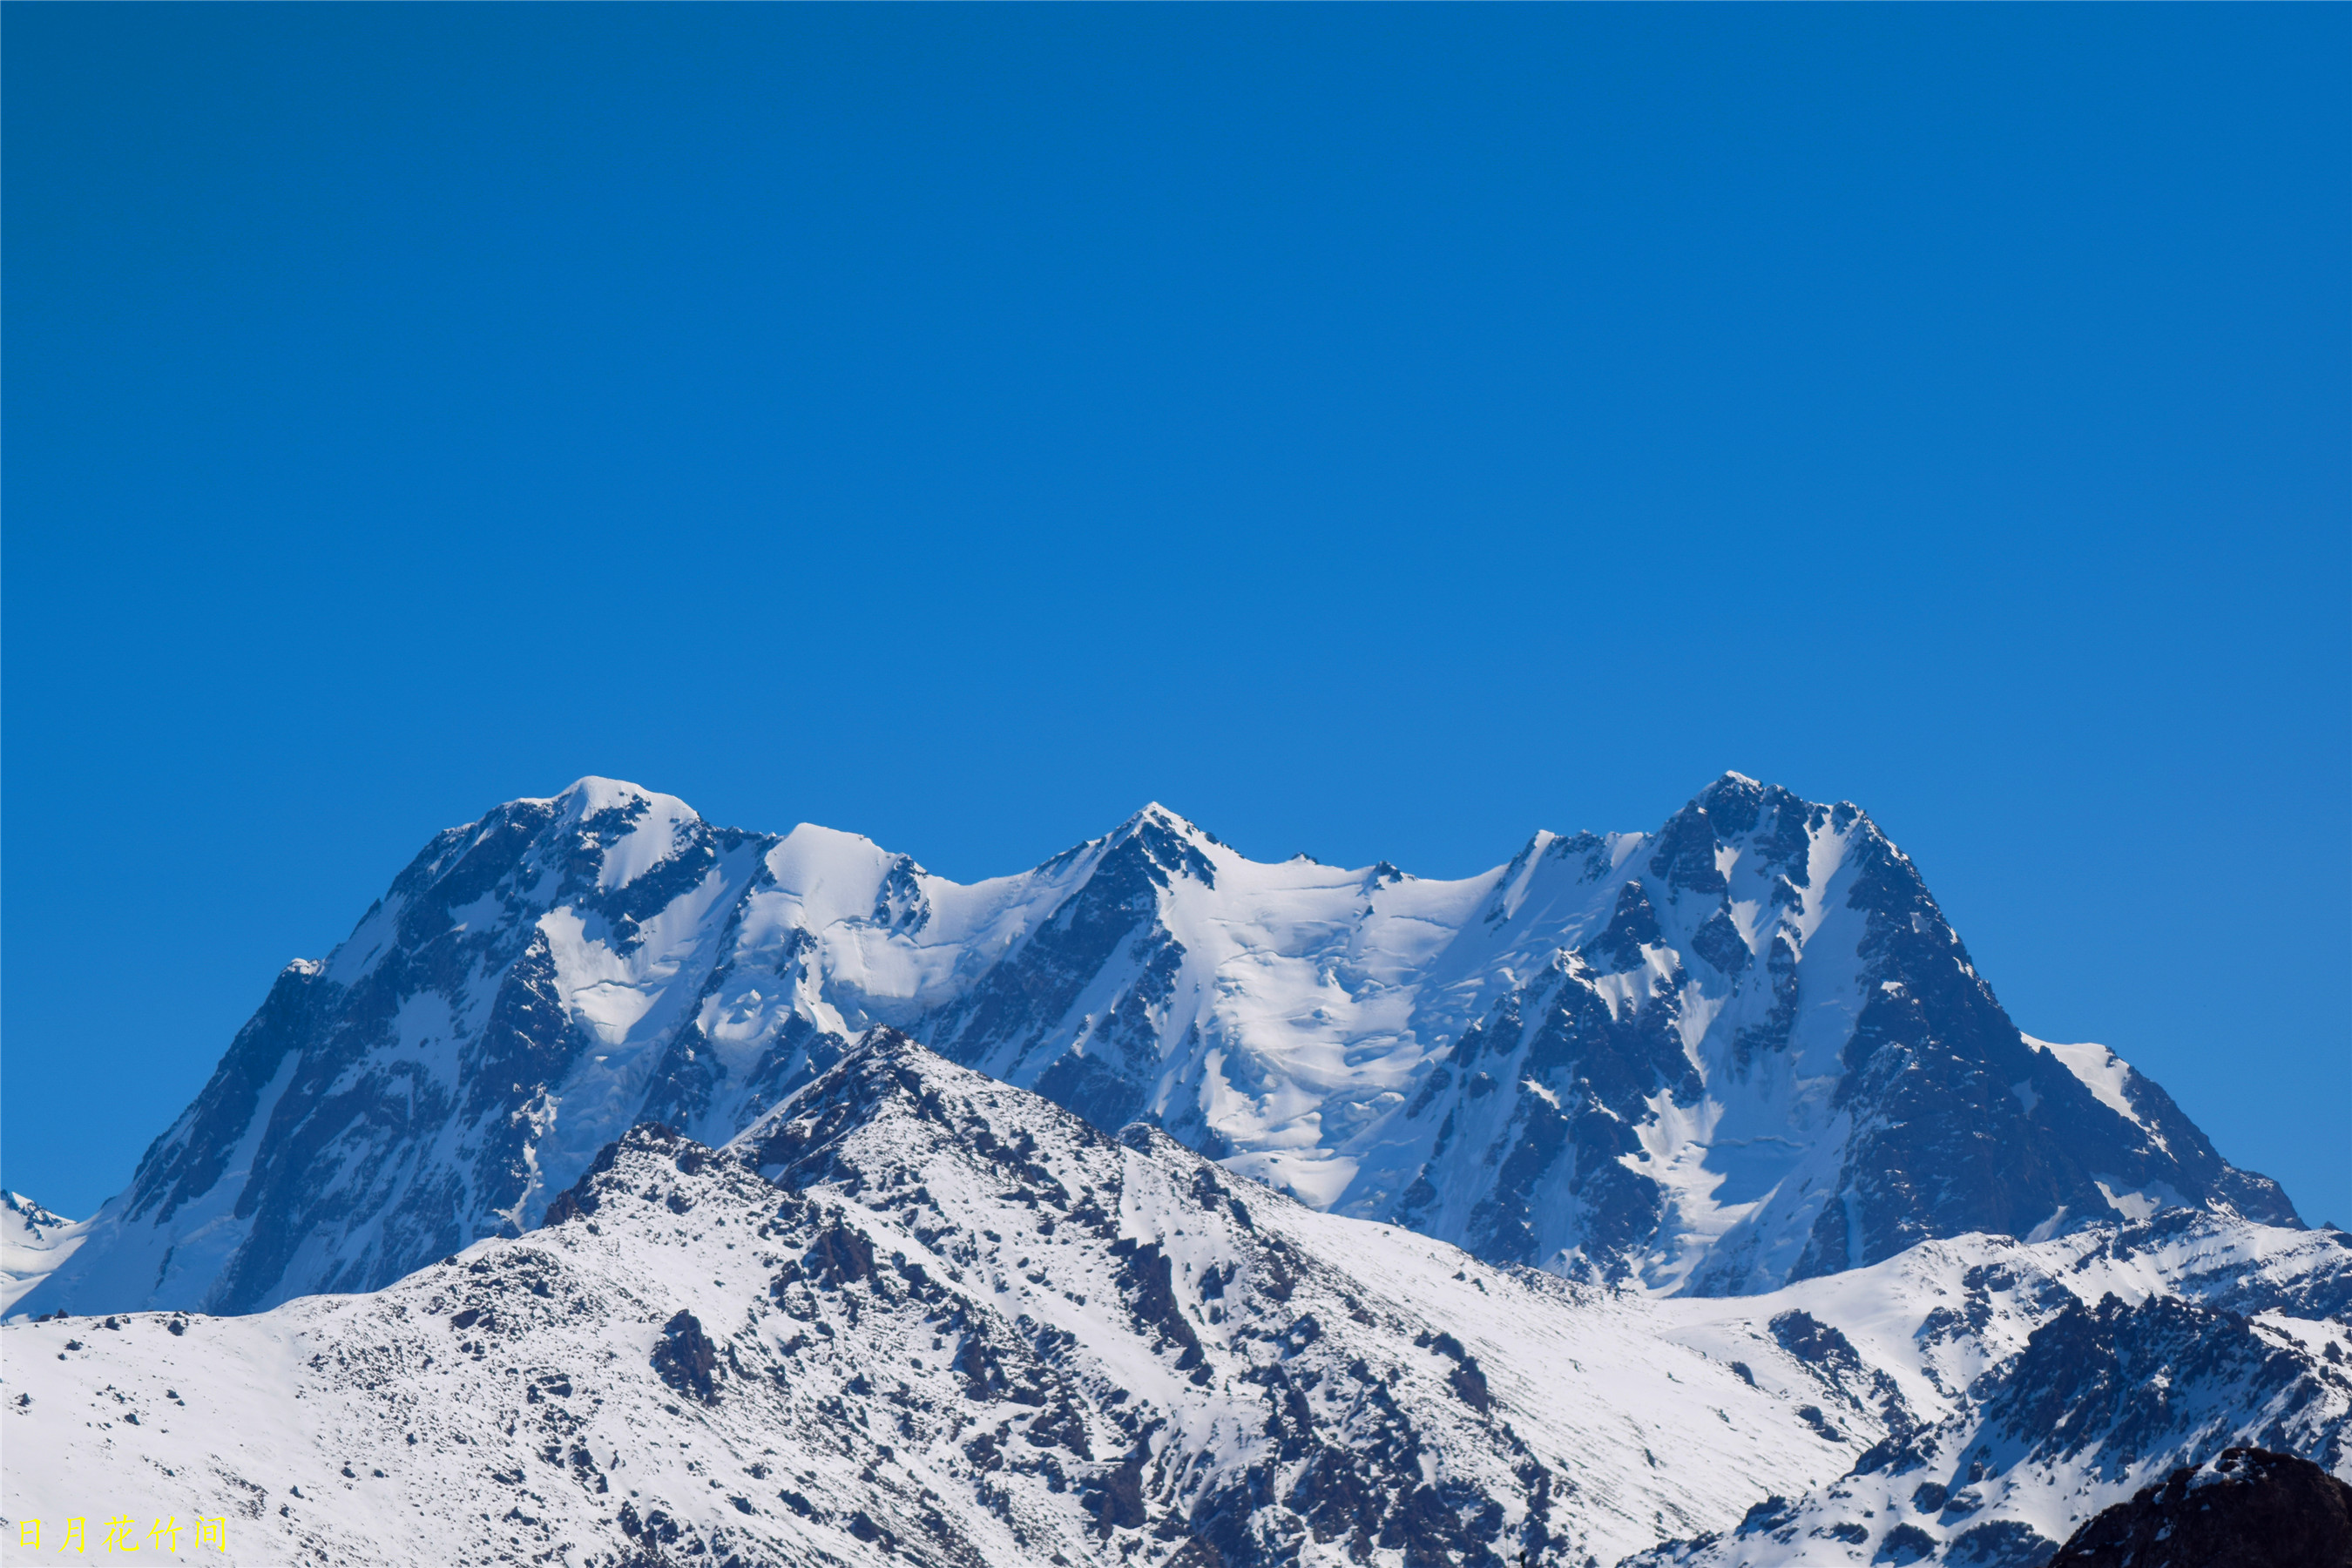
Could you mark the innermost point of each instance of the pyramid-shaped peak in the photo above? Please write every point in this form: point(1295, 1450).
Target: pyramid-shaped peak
point(887, 1080)
point(1167, 820)
point(1153, 811)
point(880, 1054)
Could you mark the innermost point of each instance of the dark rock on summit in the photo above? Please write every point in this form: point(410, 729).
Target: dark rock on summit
point(2249, 1508)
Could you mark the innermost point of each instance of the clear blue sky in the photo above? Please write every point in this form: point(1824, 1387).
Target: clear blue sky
point(1376, 432)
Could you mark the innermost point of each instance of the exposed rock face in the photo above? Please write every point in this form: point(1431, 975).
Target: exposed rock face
point(1743, 1050)
point(1777, 969)
point(2249, 1508)
point(32, 1242)
point(685, 1360)
point(1996, 1394)
point(921, 1316)
point(918, 1314)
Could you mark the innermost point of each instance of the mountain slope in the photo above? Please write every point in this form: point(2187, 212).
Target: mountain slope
point(1743, 1050)
point(1776, 1061)
point(32, 1242)
point(916, 1314)
point(919, 1314)
point(2025, 1386)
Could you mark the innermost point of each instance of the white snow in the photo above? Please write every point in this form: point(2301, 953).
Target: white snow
point(2102, 1072)
point(1311, 1007)
point(377, 1429)
point(32, 1242)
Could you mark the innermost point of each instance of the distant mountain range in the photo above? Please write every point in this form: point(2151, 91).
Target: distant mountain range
point(1739, 1052)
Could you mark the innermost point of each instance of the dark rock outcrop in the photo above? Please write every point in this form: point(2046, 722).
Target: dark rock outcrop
point(2249, 1508)
point(685, 1358)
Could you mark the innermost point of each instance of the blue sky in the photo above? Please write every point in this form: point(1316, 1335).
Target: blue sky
point(1375, 432)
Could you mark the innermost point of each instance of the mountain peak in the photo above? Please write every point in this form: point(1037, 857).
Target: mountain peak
point(1736, 796)
point(1479, 1059)
point(592, 795)
point(32, 1242)
point(30, 1214)
point(1154, 815)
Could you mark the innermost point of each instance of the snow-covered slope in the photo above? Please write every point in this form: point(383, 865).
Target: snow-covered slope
point(2024, 1386)
point(32, 1242)
point(1742, 1050)
point(916, 1314)
point(960, 1321)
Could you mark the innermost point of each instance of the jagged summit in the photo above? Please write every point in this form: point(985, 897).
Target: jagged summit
point(1742, 1049)
point(1154, 815)
point(32, 1242)
point(883, 1075)
point(31, 1215)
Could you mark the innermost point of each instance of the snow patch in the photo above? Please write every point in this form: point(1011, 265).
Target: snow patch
point(2102, 1072)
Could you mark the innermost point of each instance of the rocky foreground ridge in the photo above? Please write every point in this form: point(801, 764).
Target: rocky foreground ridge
point(2249, 1507)
point(917, 1314)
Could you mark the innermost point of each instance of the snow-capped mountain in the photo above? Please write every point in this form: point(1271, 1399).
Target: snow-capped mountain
point(32, 1242)
point(916, 1314)
point(1744, 1051)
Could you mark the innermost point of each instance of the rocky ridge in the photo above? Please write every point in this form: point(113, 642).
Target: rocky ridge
point(916, 1313)
point(2247, 1509)
point(1743, 1050)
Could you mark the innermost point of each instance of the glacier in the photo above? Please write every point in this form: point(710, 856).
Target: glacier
point(1739, 1052)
